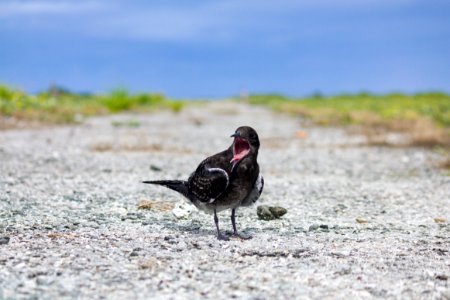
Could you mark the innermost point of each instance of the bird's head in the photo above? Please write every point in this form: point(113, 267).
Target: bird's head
point(245, 141)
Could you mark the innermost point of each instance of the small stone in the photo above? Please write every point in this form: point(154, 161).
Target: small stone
point(196, 245)
point(340, 207)
point(361, 220)
point(155, 168)
point(264, 213)
point(441, 277)
point(313, 227)
point(134, 253)
point(277, 211)
point(4, 240)
point(439, 220)
point(183, 210)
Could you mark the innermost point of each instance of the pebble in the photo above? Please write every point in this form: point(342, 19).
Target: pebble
point(134, 253)
point(4, 240)
point(313, 227)
point(155, 168)
point(361, 220)
point(264, 213)
point(322, 227)
point(183, 210)
point(268, 213)
point(277, 211)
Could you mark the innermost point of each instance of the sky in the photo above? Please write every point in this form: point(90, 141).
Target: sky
point(217, 49)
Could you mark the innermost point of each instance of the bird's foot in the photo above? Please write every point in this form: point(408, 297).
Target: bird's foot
point(222, 237)
point(241, 236)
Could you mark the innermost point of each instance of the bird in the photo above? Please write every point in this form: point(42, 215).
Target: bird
point(227, 180)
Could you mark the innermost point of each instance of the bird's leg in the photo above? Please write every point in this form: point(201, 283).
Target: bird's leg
point(220, 236)
point(233, 222)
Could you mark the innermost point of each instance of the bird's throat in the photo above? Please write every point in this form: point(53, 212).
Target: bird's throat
point(241, 148)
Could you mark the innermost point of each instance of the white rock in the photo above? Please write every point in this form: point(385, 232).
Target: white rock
point(183, 210)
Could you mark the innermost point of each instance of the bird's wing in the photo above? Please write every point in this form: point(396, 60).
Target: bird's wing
point(208, 183)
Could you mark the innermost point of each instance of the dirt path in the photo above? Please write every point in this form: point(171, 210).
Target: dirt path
point(362, 222)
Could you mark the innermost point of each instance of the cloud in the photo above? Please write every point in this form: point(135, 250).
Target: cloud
point(209, 21)
point(203, 20)
point(19, 8)
point(214, 21)
point(153, 23)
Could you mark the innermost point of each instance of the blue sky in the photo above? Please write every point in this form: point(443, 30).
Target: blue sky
point(200, 49)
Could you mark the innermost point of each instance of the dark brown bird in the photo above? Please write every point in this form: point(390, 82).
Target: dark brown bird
point(228, 179)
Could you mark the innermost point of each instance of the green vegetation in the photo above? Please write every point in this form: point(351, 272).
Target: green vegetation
point(425, 117)
point(130, 123)
point(344, 109)
point(60, 106)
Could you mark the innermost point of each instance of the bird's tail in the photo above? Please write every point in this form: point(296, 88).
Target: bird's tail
point(179, 186)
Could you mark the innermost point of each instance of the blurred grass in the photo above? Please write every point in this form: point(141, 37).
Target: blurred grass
point(424, 117)
point(60, 106)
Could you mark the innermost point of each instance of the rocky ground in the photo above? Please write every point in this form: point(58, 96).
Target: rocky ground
point(75, 221)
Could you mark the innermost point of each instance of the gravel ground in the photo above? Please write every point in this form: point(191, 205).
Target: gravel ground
point(362, 222)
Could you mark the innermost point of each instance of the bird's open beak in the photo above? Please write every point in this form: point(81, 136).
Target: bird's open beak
point(241, 147)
